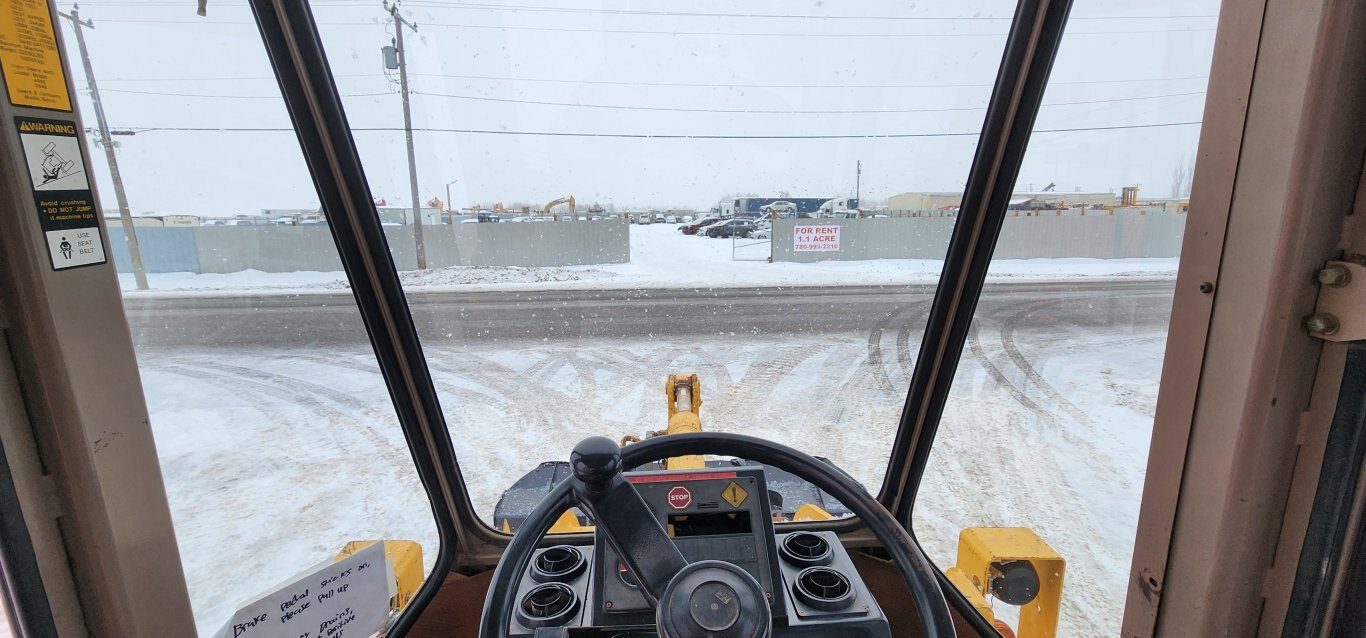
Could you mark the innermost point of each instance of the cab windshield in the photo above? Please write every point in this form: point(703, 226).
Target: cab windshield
point(544, 176)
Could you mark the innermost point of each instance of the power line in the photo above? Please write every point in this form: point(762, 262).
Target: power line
point(479, 6)
point(656, 32)
point(494, 78)
point(763, 16)
point(227, 97)
point(210, 129)
point(769, 34)
point(776, 111)
point(628, 107)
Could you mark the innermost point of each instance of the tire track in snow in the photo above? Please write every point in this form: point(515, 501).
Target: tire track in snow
point(1008, 328)
point(831, 422)
point(756, 386)
point(445, 388)
point(904, 357)
point(534, 400)
point(336, 420)
point(365, 427)
point(1021, 394)
point(875, 361)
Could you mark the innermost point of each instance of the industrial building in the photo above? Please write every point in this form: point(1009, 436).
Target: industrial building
point(939, 200)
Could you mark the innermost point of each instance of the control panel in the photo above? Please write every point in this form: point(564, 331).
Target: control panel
point(810, 583)
point(711, 515)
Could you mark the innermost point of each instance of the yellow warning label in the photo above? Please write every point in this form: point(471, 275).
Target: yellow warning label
point(29, 57)
point(30, 126)
point(734, 494)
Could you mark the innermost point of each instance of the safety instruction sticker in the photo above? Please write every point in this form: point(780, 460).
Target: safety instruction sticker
point(29, 57)
point(61, 189)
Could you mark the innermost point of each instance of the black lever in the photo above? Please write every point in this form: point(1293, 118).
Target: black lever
point(622, 517)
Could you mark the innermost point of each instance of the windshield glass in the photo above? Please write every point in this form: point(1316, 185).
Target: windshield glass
point(704, 175)
point(608, 214)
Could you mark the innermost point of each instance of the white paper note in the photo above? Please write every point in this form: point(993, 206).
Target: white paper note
point(345, 599)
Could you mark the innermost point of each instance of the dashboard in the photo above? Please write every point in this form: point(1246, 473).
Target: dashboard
point(720, 513)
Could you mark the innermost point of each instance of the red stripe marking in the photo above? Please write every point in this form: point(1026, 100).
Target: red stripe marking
point(672, 478)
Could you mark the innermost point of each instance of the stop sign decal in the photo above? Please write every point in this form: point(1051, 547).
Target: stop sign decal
point(679, 497)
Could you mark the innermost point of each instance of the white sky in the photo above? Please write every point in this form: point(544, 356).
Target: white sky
point(623, 53)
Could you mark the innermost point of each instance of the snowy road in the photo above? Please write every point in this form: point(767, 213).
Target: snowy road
point(274, 457)
point(331, 320)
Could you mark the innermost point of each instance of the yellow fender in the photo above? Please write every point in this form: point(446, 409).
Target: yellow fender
point(406, 558)
point(982, 551)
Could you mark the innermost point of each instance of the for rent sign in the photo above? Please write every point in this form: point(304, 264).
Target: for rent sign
point(815, 238)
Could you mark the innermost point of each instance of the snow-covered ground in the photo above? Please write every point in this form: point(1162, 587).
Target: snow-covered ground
point(275, 458)
point(662, 257)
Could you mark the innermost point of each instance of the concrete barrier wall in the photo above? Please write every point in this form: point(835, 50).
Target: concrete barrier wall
point(223, 249)
point(166, 250)
point(605, 241)
point(264, 248)
point(1098, 236)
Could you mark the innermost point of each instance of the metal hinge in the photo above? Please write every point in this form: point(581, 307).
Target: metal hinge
point(1340, 314)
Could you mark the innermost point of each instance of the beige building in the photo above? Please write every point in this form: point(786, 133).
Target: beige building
point(176, 221)
point(938, 200)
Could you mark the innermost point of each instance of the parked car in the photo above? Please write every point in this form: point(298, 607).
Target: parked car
point(661, 217)
point(686, 219)
point(691, 229)
point(730, 228)
point(779, 208)
point(671, 219)
point(761, 233)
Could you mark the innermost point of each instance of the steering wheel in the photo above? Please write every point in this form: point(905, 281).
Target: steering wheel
point(668, 581)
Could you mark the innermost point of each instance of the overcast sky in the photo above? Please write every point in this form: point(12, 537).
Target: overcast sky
point(641, 68)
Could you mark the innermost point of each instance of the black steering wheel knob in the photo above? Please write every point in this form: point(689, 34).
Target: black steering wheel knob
point(596, 460)
point(713, 599)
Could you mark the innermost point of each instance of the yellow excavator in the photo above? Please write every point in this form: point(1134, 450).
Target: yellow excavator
point(567, 199)
point(1011, 565)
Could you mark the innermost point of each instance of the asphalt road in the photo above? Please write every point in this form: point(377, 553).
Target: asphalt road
point(331, 319)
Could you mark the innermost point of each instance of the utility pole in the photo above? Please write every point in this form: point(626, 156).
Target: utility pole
point(399, 23)
point(858, 178)
point(130, 235)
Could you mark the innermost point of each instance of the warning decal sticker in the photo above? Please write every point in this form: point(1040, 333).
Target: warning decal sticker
point(734, 494)
point(29, 57)
point(61, 190)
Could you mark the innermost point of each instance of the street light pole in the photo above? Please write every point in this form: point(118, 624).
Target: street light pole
point(399, 23)
point(130, 236)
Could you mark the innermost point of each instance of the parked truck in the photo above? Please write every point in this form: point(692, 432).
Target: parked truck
point(841, 208)
point(724, 209)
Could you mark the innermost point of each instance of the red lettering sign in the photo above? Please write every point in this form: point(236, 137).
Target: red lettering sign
point(811, 238)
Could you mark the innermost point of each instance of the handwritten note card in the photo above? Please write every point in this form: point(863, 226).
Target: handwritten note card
point(346, 599)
